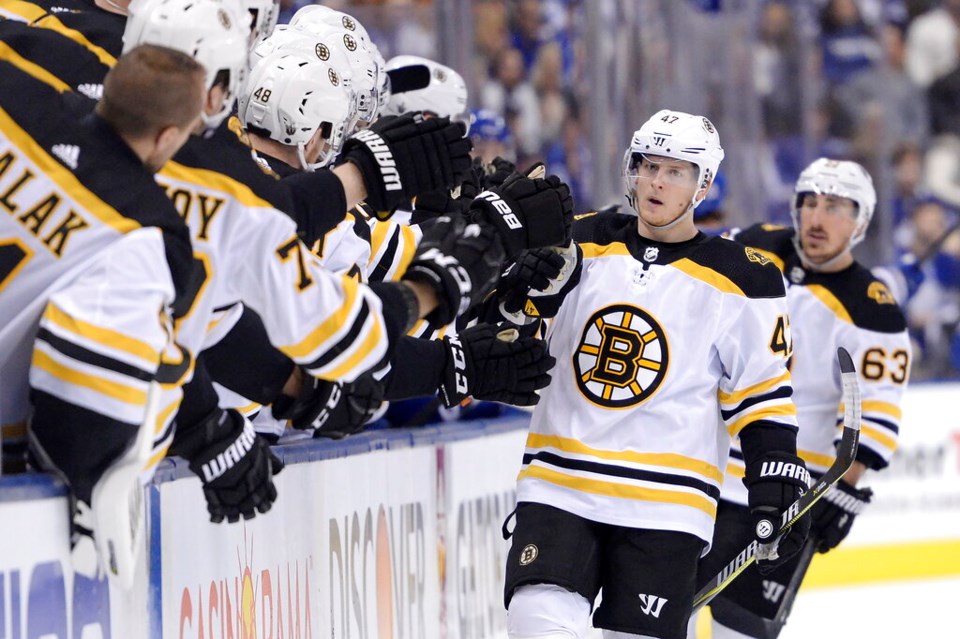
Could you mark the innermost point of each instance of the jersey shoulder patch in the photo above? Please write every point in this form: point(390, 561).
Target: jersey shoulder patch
point(750, 271)
point(867, 301)
point(773, 241)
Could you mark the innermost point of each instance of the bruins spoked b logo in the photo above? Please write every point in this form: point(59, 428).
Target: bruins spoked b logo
point(622, 357)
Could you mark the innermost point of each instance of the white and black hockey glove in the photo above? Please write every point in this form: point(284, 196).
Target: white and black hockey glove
point(460, 261)
point(490, 363)
point(536, 284)
point(774, 481)
point(331, 409)
point(834, 513)
point(403, 156)
point(527, 212)
point(234, 464)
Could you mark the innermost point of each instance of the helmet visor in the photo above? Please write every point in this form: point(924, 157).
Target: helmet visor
point(643, 166)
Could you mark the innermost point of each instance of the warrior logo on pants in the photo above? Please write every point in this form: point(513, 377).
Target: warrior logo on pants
point(622, 357)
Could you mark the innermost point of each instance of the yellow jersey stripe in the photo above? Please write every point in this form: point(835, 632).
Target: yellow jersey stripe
point(623, 491)
point(66, 180)
point(108, 337)
point(781, 410)
point(591, 250)
point(757, 389)
point(31, 68)
point(53, 23)
point(408, 241)
point(878, 435)
point(669, 460)
point(329, 327)
point(736, 471)
point(165, 416)
point(824, 461)
point(17, 9)
point(707, 275)
point(378, 238)
point(362, 352)
point(876, 406)
point(100, 385)
point(214, 180)
point(830, 301)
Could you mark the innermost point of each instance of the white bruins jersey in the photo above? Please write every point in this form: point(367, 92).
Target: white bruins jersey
point(662, 356)
point(851, 309)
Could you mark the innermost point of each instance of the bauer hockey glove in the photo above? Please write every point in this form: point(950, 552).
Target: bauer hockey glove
point(494, 364)
point(403, 156)
point(460, 261)
point(536, 284)
point(527, 212)
point(234, 464)
point(774, 481)
point(833, 515)
point(331, 409)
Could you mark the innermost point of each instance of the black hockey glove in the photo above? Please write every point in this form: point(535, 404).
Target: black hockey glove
point(527, 212)
point(834, 513)
point(234, 464)
point(403, 156)
point(490, 363)
point(774, 481)
point(460, 261)
point(453, 202)
point(537, 283)
point(496, 173)
point(331, 409)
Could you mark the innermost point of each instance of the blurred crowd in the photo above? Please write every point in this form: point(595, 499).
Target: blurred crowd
point(875, 81)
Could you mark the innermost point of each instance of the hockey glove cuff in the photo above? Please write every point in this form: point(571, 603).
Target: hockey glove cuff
point(834, 513)
point(774, 481)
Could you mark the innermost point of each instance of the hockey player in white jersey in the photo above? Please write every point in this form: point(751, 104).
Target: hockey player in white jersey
point(667, 330)
point(833, 301)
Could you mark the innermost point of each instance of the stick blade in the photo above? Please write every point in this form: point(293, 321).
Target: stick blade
point(846, 362)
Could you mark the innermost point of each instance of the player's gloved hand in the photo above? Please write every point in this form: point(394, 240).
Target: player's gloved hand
point(527, 212)
point(453, 202)
point(331, 409)
point(537, 283)
point(460, 261)
point(234, 464)
point(495, 173)
point(774, 481)
point(404, 155)
point(834, 513)
point(487, 362)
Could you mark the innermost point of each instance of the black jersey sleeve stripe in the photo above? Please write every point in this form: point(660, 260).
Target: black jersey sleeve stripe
point(81, 354)
point(385, 261)
point(779, 393)
point(345, 342)
point(619, 471)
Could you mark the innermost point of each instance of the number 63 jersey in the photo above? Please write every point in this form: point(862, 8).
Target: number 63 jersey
point(664, 352)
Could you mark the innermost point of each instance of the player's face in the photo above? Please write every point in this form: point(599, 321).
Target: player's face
point(827, 223)
point(663, 189)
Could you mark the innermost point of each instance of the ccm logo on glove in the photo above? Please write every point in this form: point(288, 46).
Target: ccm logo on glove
point(784, 469)
point(233, 453)
point(380, 150)
point(509, 217)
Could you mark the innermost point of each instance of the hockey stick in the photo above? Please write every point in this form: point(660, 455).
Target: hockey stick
point(846, 453)
point(117, 503)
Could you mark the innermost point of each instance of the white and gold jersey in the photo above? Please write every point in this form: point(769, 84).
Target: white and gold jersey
point(663, 354)
point(852, 309)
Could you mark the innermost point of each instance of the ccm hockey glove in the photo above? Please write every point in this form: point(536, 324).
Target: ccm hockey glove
point(527, 212)
point(460, 261)
point(234, 464)
point(488, 363)
point(331, 409)
point(774, 481)
point(536, 284)
point(834, 513)
point(403, 156)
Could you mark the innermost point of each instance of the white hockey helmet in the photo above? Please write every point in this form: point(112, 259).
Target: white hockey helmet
point(263, 17)
point(444, 95)
point(363, 65)
point(209, 30)
point(842, 178)
point(287, 39)
point(677, 135)
point(291, 96)
point(319, 14)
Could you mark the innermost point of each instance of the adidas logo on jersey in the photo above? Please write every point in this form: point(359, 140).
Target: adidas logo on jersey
point(92, 91)
point(651, 605)
point(772, 591)
point(69, 154)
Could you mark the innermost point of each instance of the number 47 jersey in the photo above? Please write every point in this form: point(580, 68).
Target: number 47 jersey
point(663, 354)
